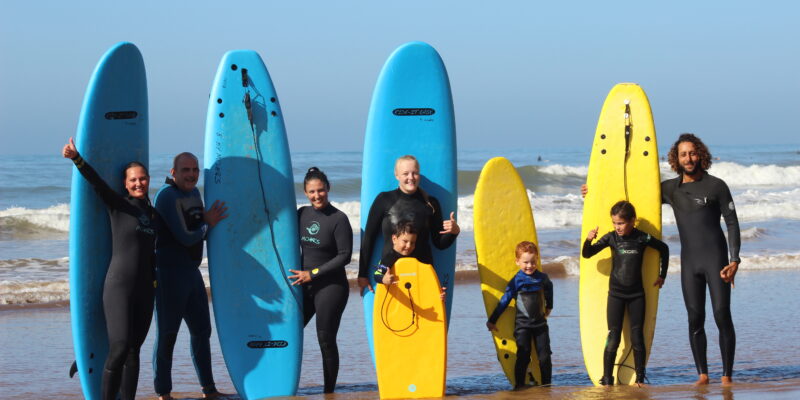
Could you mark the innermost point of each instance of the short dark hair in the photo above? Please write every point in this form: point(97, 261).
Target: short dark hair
point(624, 209)
point(315, 173)
point(404, 227)
point(702, 152)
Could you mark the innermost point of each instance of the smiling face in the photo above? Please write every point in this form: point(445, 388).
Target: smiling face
point(404, 243)
point(407, 174)
point(527, 263)
point(688, 158)
point(137, 182)
point(186, 172)
point(317, 193)
point(621, 225)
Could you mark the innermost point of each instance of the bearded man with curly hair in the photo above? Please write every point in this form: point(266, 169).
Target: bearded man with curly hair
point(698, 200)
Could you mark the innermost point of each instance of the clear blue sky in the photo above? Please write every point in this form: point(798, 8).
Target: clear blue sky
point(523, 73)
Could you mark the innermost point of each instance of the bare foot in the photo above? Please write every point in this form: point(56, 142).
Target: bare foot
point(166, 397)
point(639, 384)
point(702, 379)
point(727, 381)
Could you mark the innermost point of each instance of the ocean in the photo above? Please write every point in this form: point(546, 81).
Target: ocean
point(764, 180)
point(36, 342)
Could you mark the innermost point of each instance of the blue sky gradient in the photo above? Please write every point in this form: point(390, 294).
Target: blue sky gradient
point(524, 73)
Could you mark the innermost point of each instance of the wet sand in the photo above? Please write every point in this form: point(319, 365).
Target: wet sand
point(36, 351)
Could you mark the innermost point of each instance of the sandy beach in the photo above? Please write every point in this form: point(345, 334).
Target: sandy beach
point(37, 350)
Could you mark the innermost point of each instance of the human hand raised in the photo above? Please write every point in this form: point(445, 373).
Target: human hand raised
point(215, 213)
point(450, 225)
point(69, 150)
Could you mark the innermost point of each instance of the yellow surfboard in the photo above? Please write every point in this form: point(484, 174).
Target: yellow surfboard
point(623, 166)
point(502, 218)
point(410, 333)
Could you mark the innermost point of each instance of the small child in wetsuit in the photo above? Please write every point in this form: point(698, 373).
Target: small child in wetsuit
point(533, 291)
point(625, 285)
point(404, 240)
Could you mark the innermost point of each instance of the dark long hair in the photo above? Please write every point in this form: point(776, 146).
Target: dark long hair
point(699, 146)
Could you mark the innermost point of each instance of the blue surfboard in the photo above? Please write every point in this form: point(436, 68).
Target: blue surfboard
point(259, 315)
point(411, 113)
point(112, 131)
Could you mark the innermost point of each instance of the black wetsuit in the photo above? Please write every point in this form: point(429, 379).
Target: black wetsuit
point(698, 206)
point(394, 206)
point(128, 288)
point(326, 240)
point(626, 289)
point(530, 322)
point(181, 292)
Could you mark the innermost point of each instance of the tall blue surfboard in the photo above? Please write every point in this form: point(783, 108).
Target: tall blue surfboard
point(112, 131)
point(411, 113)
point(259, 315)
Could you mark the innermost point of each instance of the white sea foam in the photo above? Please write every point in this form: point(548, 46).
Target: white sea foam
point(19, 222)
point(35, 281)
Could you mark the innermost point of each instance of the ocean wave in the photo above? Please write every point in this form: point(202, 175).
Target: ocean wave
point(22, 223)
point(27, 283)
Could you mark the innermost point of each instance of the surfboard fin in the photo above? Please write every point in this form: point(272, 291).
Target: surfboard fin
point(73, 369)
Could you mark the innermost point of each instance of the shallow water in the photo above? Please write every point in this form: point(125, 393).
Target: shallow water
point(37, 349)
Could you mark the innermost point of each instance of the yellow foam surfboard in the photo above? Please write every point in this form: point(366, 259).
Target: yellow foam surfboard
point(502, 218)
point(410, 333)
point(619, 169)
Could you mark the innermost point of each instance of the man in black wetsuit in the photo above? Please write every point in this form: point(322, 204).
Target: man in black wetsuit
point(181, 292)
point(698, 200)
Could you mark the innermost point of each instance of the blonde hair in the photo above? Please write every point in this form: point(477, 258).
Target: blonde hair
point(425, 196)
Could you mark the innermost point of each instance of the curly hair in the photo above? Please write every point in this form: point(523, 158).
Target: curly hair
point(699, 146)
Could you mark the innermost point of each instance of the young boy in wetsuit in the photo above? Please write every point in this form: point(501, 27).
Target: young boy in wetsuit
point(404, 240)
point(625, 286)
point(531, 288)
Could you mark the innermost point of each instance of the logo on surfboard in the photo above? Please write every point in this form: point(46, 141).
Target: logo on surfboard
point(410, 112)
point(267, 344)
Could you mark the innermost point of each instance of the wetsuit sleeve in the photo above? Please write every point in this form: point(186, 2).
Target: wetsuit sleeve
point(728, 211)
point(663, 251)
point(386, 263)
point(547, 284)
point(590, 249)
point(371, 231)
point(169, 208)
point(108, 195)
point(440, 241)
point(343, 235)
point(510, 293)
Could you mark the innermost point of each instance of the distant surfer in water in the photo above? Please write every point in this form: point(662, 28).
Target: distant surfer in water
point(625, 285)
point(181, 292)
point(698, 201)
point(128, 287)
point(326, 241)
point(407, 202)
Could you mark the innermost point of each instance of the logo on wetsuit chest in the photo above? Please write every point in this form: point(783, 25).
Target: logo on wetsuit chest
point(626, 251)
point(701, 201)
point(144, 225)
point(313, 229)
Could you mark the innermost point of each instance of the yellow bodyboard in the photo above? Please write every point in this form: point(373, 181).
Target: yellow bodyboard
point(502, 218)
point(410, 333)
point(619, 169)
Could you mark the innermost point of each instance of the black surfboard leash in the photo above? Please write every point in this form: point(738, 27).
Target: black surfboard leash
point(260, 159)
point(407, 286)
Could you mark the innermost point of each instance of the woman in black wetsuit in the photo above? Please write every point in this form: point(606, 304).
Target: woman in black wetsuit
point(407, 202)
point(128, 291)
point(326, 240)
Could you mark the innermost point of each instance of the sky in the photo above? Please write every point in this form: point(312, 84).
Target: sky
point(523, 73)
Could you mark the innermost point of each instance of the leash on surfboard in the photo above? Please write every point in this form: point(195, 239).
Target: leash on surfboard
point(248, 104)
point(628, 133)
point(413, 310)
